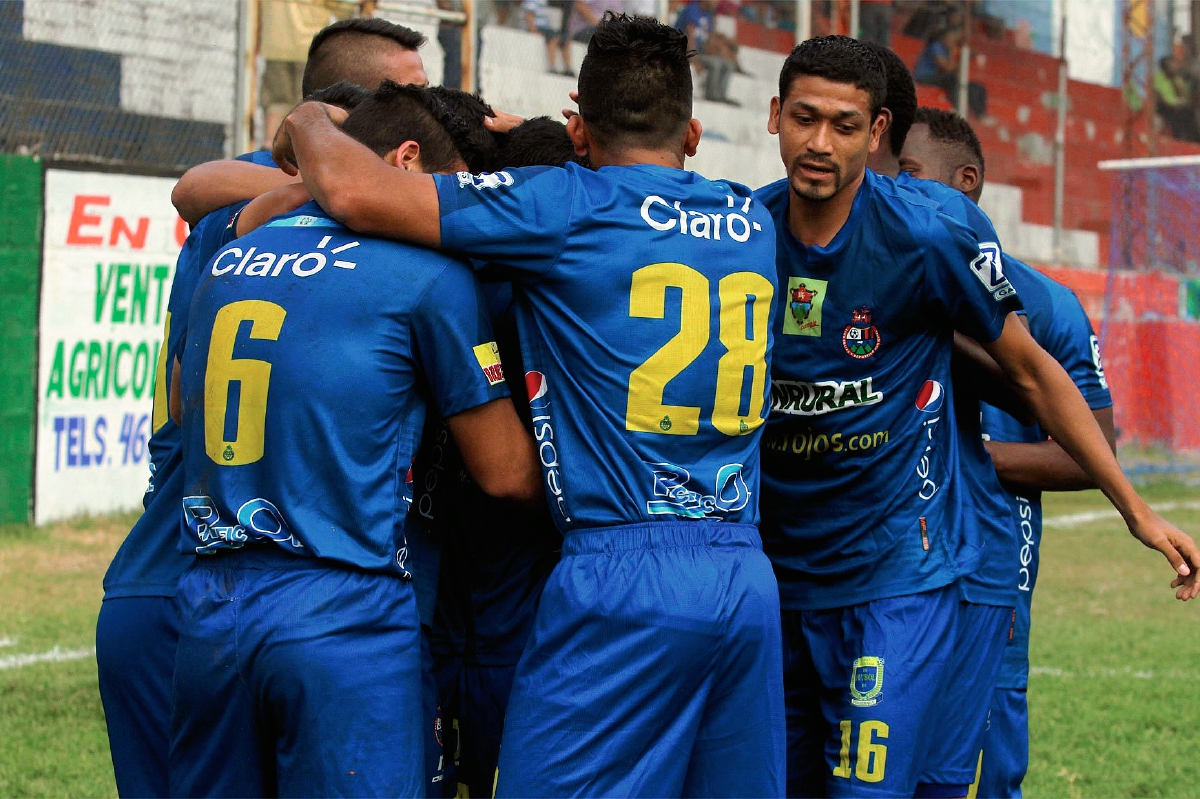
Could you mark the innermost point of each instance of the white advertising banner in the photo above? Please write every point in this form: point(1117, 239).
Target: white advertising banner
point(108, 258)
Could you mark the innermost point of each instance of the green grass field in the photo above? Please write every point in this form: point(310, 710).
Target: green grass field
point(1114, 697)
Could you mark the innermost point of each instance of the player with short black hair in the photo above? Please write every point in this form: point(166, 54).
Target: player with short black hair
point(647, 375)
point(360, 48)
point(137, 628)
point(943, 147)
point(900, 102)
point(835, 60)
point(862, 406)
point(539, 141)
point(649, 105)
point(297, 504)
point(462, 115)
point(343, 94)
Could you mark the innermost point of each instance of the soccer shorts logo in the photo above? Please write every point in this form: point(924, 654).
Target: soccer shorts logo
point(866, 682)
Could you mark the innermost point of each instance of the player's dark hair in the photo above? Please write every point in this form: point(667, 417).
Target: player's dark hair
point(462, 115)
point(348, 50)
point(901, 97)
point(394, 114)
point(343, 94)
point(839, 59)
point(540, 141)
point(635, 86)
point(947, 127)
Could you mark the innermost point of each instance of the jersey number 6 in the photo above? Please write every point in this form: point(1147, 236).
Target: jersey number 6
point(742, 295)
point(253, 378)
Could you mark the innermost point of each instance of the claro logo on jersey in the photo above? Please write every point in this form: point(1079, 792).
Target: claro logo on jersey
point(268, 264)
point(484, 180)
point(990, 271)
point(543, 433)
point(797, 398)
point(661, 215)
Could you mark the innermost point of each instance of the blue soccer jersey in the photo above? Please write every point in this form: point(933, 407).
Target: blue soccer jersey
point(311, 358)
point(860, 455)
point(645, 298)
point(1060, 325)
point(986, 517)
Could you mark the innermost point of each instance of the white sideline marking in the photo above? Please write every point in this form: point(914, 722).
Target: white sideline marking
point(55, 655)
point(8, 641)
point(1092, 516)
point(1144, 674)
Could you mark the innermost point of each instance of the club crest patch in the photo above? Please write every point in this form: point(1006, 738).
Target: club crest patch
point(866, 682)
point(861, 339)
point(806, 295)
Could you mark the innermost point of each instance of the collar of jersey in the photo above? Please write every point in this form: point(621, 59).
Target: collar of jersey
point(815, 255)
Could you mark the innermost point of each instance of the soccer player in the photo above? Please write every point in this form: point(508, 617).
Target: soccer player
point(299, 647)
point(136, 629)
point(490, 581)
point(362, 51)
point(859, 459)
point(645, 295)
point(943, 147)
point(988, 594)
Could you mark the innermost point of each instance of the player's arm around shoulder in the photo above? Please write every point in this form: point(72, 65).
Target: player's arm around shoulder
point(457, 350)
point(1061, 410)
point(216, 184)
point(354, 185)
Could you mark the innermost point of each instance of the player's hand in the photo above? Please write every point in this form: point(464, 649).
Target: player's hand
point(502, 122)
point(570, 112)
point(281, 148)
point(1178, 548)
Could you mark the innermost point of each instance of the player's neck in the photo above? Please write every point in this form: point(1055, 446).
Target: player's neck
point(632, 156)
point(816, 223)
point(883, 162)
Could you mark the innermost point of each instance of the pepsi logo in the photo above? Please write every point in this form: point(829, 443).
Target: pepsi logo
point(929, 398)
point(535, 384)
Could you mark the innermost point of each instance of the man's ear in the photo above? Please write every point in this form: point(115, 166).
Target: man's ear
point(882, 120)
point(577, 130)
point(691, 140)
point(967, 179)
point(407, 157)
point(773, 120)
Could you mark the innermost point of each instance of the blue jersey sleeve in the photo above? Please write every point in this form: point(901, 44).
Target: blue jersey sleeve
point(518, 217)
point(211, 233)
point(968, 276)
point(454, 343)
point(1073, 343)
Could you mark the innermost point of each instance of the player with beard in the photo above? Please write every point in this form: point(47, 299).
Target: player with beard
point(860, 512)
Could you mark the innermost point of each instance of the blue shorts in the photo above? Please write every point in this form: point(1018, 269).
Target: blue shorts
point(982, 636)
point(433, 731)
point(135, 658)
point(863, 684)
point(653, 669)
point(1005, 746)
point(295, 677)
point(474, 699)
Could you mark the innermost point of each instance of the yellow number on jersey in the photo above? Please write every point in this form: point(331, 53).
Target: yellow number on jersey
point(744, 296)
point(254, 376)
point(159, 411)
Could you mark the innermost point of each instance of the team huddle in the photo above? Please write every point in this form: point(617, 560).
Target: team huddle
point(511, 458)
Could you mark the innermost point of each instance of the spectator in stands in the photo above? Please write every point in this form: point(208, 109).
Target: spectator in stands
point(285, 29)
point(938, 66)
point(585, 16)
point(1172, 99)
point(716, 57)
point(537, 20)
point(875, 22)
point(450, 38)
